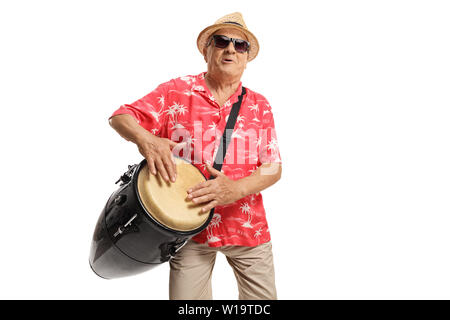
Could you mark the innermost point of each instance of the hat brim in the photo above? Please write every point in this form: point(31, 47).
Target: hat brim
point(207, 32)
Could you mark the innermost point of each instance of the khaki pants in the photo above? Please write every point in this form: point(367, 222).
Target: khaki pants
point(191, 271)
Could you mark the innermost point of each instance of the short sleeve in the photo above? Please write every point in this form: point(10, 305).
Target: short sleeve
point(149, 111)
point(269, 151)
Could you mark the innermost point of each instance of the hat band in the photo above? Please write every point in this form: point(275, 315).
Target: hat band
point(234, 23)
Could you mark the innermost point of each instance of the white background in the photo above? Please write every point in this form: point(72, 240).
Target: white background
point(360, 94)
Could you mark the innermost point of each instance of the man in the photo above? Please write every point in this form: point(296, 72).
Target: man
point(183, 108)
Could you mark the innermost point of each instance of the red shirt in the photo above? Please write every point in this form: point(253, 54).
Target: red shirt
point(184, 110)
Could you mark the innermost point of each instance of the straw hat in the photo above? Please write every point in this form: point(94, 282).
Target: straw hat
point(233, 20)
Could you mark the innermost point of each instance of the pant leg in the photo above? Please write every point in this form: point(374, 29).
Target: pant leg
point(254, 271)
point(191, 271)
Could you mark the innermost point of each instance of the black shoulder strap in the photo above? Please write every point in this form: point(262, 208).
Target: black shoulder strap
point(226, 137)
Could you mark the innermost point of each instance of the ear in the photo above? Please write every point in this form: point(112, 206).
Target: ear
point(205, 51)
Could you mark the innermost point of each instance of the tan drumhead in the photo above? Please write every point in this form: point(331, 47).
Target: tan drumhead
point(167, 202)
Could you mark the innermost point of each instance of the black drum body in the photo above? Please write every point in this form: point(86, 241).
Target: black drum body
point(127, 240)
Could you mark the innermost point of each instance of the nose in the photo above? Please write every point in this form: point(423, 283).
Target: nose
point(230, 48)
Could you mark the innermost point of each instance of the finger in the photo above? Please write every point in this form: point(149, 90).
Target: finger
point(151, 166)
point(168, 163)
point(172, 144)
point(200, 192)
point(174, 164)
point(201, 185)
point(209, 206)
point(161, 169)
point(206, 198)
point(213, 171)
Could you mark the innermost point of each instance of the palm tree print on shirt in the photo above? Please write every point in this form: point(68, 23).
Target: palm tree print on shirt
point(155, 115)
point(181, 109)
point(189, 80)
point(216, 220)
point(245, 208)
point(268, 110)
point(190, 93)
point(240, 121)
point(204, 164)
point(161, 101)
point(257, 234)
point(273, 145)
point(173, 112)
point(255, 109)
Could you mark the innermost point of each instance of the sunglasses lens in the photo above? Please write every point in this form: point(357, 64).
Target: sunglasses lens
point(241, 46)
point(221, 41)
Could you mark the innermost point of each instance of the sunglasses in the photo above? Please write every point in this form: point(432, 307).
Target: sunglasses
point(222, 42)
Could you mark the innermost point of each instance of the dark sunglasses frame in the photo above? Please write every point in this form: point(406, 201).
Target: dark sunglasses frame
point(228, 40)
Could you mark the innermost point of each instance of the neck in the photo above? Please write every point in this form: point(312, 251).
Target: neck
point(222, 84)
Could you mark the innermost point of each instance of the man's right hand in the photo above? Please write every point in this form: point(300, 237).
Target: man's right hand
point(158, 153)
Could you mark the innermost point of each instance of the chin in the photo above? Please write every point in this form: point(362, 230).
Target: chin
point(231, 69)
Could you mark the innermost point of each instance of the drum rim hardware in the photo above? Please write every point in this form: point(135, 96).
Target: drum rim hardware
point(121, 229)
point(126, 177)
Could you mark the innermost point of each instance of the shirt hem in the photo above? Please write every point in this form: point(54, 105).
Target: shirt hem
point(237, 242)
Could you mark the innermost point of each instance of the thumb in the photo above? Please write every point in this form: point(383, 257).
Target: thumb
point(172, 144)
point(213, 171)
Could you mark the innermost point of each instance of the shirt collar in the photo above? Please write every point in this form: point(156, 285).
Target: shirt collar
point(199, 83)
point(200, 86)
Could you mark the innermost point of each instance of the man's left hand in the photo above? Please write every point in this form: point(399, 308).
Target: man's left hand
point(216, 192)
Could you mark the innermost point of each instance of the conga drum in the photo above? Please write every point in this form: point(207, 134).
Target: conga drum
point(146, 221)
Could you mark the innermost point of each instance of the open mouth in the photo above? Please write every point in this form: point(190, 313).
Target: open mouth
point(227, 60)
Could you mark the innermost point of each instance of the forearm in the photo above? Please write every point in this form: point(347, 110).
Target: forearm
point(128, 128)
point(263, 177)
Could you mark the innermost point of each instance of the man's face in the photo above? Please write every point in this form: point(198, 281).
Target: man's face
point(227, 61)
